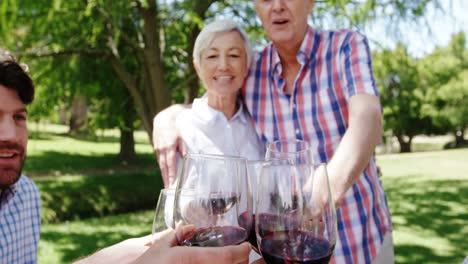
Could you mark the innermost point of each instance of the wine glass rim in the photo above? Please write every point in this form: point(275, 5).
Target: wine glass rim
point(213, 156)
point(167, 191)
point(187, 192)
point(308, 164)
point(292, 141)
point(256, 161)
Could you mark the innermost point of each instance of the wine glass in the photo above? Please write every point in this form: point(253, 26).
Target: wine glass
point(296, 151)
point(253, 171)
point(163, 216)
point(295, 214)
point(217, 200)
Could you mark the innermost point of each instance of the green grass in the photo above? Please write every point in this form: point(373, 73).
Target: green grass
point(427, 193)
point(51, 152)
point(65, 242)
point(428, 198)
point(82, 177)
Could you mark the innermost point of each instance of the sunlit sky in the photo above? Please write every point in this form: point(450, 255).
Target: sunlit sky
point(419, 39)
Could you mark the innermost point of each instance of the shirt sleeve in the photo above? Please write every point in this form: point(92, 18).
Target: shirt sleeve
point(357, 66)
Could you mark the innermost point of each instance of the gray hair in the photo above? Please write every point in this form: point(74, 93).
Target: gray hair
point(210, 31)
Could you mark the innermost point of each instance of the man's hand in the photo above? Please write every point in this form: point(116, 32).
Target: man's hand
point(165, 250)
point(167, 142)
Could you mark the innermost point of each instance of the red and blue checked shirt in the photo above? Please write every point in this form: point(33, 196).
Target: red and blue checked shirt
point(335, 66)
point(20, 222)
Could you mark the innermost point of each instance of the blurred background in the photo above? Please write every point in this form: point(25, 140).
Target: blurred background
point(104, 68)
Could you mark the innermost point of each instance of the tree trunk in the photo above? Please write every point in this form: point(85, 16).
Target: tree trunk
point(62, 115)
point(127, 152)
point(191, 92)
point(79, 116)
point(460, 138)
point(405, 145)
point(147, 86)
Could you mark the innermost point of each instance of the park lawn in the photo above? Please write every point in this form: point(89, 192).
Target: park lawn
point(68, 241)
point(428, 197)
point(52, 152)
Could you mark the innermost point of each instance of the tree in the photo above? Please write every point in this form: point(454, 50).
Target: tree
point(446, 74)
point(148, 43)
point(402, 95)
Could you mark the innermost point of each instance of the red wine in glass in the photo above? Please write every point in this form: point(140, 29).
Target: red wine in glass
point(265, 219)
point(243, 221)
point(217, 236)
point(295, 247)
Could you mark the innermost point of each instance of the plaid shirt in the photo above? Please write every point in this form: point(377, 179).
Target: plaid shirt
point(20, 222)
point(335, 65)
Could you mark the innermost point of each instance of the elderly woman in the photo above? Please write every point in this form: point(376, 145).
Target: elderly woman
point(217, 123)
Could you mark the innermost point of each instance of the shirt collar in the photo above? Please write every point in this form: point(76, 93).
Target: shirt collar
point(303, 55)
point(8, 193)
point(209, 115)
point(306, 50)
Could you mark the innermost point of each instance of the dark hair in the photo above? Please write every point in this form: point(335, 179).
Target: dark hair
point(12, 76)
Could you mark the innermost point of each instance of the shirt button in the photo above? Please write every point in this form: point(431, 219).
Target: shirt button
point(298, 132)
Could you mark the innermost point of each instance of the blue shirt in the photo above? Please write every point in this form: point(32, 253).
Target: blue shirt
point(20, 222)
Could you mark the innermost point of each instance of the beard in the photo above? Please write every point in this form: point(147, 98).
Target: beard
point(10, 174)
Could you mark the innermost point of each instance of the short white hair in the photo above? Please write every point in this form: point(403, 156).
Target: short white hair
point(210, 31)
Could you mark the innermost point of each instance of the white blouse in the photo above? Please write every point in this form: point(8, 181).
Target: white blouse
point(206, 130)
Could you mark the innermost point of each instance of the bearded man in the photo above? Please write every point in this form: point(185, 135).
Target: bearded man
point(19, 197)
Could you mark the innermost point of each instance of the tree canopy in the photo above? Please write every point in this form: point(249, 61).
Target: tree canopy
point(147, 45)
point(424, 96)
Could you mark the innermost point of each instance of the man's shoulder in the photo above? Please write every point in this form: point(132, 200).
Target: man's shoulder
point(338, 31)
point(25, 184)
point(349, 36)
point(342, 35)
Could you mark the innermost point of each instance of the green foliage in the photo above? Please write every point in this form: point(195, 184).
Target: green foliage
point(445, 73)
point(93, 47)
point(402, 95)
point(57, 27)
point(79, 197)
point(429, 95)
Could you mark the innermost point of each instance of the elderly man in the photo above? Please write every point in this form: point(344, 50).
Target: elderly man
point(318, 86)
